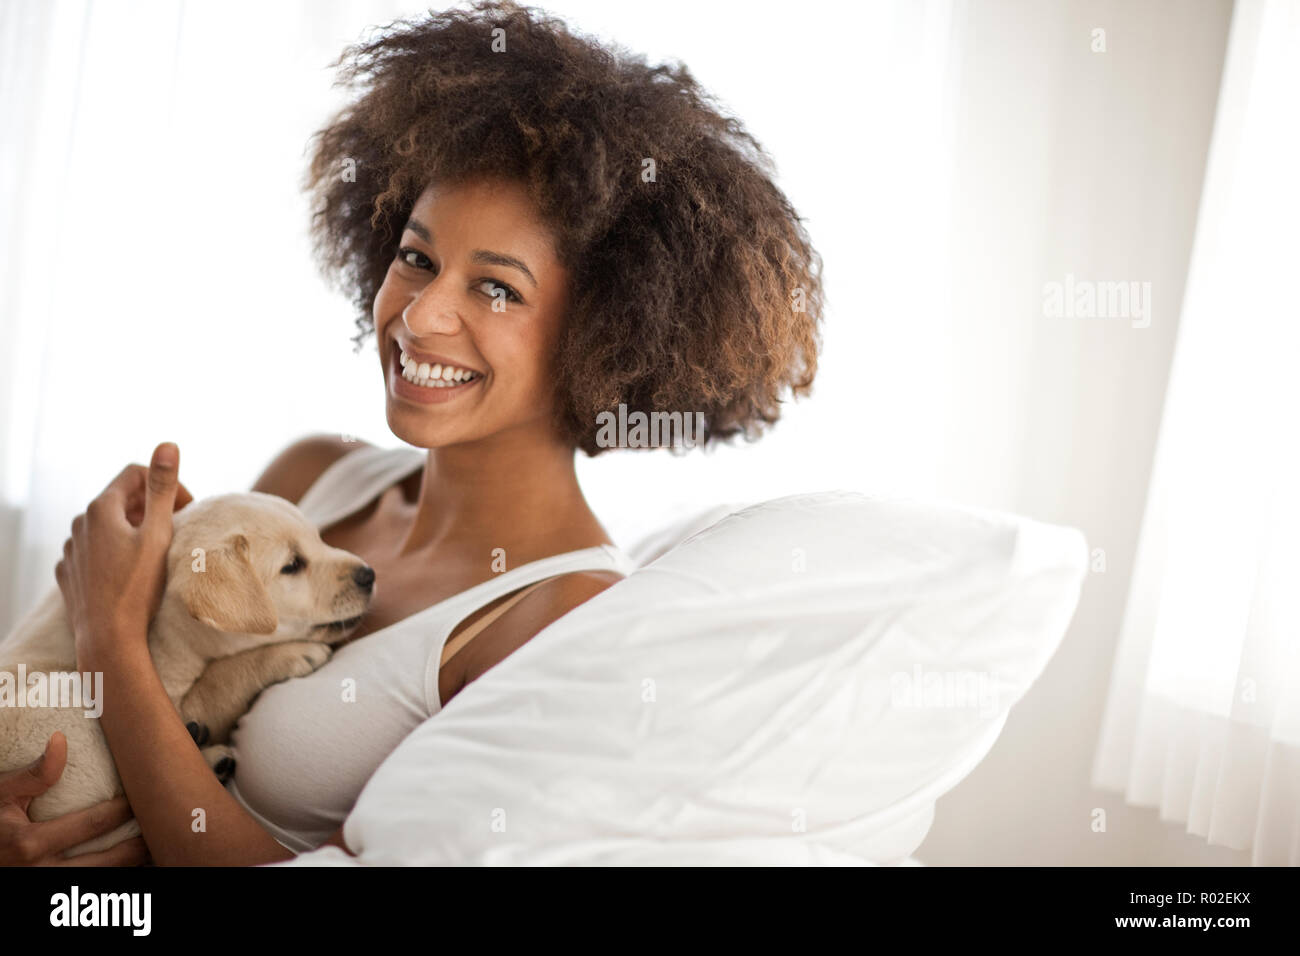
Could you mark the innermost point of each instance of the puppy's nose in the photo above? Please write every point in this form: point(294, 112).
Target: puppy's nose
point(364, 577)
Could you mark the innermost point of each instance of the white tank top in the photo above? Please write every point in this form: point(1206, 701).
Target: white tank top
point(307, 746)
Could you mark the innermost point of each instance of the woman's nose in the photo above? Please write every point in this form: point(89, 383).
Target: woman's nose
point(432, 312)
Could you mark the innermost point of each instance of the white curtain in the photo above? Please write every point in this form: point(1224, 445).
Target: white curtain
point(1203, 719)
point(155, 280)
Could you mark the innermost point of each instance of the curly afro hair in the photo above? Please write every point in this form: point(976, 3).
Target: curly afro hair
point(695, 288)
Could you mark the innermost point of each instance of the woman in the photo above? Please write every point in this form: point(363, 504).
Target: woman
point(538, 230)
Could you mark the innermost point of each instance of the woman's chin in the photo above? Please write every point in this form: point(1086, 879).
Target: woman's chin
point(415, 429)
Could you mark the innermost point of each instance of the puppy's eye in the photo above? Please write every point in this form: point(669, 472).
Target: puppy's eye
point(294, 566)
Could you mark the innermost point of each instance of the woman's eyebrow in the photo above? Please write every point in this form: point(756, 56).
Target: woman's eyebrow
point(500, 259)
point(419, 229)
point(484, 256)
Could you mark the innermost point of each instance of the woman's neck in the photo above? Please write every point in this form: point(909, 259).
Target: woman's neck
point(517, 491)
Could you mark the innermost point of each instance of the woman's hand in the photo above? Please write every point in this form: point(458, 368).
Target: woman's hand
point(114, 566)
point(112, 576)
point(24, 843)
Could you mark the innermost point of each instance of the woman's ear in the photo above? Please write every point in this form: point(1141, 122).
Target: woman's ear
point(224, 592)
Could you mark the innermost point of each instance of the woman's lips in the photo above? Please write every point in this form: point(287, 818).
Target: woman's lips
point(399, 387)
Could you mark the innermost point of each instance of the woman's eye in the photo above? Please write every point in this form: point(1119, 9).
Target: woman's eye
point(498, 290)
point(413, 258)
point(294, 566)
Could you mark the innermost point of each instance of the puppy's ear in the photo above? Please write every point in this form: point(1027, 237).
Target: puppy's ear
point(228, 595)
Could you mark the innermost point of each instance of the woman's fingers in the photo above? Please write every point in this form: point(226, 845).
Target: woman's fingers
point(114, 503)
point(133, 852)
point(135, 504)
point(25, 841)
point(154, 481)
point(38, 776)
point(63, 833)
point(129, 493)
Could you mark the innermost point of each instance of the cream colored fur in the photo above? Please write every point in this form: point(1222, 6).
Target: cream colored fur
point(231, 622)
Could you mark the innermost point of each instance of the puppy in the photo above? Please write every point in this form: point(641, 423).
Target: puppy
point(253, 597)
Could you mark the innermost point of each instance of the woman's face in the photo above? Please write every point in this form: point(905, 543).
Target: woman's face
point(474, 297)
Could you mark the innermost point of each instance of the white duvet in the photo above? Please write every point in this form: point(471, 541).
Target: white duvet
point(795, 685)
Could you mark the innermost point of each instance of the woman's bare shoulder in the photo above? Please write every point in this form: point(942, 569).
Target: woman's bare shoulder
point(541, 608)
point(296, 469)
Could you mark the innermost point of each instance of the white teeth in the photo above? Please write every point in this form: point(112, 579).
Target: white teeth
point(433, 376)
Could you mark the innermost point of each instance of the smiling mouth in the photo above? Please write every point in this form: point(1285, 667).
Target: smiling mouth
point(434, 375)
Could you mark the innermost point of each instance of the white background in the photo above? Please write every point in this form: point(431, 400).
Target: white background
point(950, 159)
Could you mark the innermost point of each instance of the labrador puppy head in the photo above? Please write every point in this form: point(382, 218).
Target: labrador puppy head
point(251, 567)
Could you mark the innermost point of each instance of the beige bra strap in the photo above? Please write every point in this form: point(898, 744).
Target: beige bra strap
point(450, 649)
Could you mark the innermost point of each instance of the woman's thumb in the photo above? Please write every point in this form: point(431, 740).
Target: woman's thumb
point(48, 767)
point(39, 775)
point(163, 470)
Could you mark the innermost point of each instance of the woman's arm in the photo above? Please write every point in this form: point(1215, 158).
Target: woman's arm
point(187, 816)
point(112, 577)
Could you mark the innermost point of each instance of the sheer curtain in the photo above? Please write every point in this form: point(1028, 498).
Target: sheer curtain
point(1203, 719)
point(156, 282)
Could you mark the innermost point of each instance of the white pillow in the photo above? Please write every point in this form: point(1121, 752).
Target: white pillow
point(656, 544)
point(798, 683)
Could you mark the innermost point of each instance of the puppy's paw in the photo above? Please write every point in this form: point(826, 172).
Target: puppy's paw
point(297, 659)
point(199, 732)
point(222, 761)
point(310, 654)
